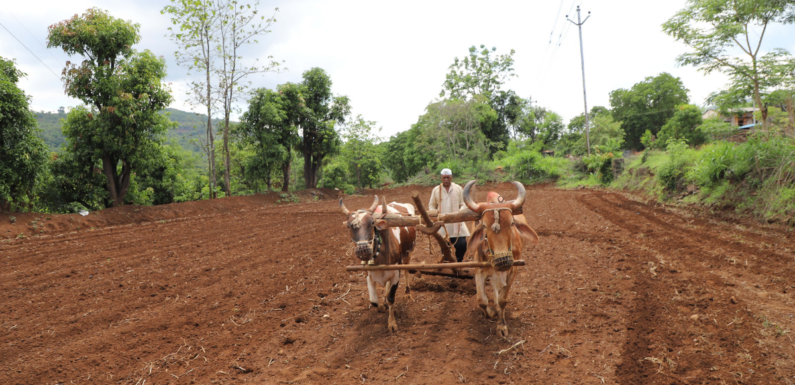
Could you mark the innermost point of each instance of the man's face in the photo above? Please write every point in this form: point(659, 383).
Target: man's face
point(446, 180)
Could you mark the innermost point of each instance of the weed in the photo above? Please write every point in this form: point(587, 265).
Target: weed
point(21, 236)
point(12, 219)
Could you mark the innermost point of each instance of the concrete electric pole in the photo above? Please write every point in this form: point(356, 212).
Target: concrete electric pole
point(582, 59)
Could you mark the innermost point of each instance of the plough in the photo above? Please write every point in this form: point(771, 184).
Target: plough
point(425, 223)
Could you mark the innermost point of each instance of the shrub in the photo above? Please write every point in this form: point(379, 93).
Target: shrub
point(335, 175)
point(671, 172)
point(683, 125)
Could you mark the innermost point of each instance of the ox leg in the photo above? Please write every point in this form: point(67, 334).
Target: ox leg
point(390, 300)
point(372, 291)
point(501, 296)
point(483, 299)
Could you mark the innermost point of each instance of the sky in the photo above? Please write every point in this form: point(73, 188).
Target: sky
point(390, 59)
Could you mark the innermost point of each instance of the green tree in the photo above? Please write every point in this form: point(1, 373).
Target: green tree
point(712, 28)
point(577, 123)
point(124, 87)
point(361, 153)
point(268, 127)
point(323, 111)
point(647, 105)
point(451, 130)
point(23, 154)
point(606, 134)
point(239, 25)
point(484, 73)
point(684, 125)
point(196, 28)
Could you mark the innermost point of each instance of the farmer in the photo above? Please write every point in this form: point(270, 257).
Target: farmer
point(448, 198)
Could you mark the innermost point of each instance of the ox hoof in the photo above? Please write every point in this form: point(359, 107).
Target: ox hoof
point(490, 313)
point(381, 308)
point(503, 330)
point(392, 327)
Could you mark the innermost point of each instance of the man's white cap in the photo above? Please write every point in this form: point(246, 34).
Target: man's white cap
point(447, 171)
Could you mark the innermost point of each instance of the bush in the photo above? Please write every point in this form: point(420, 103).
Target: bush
point(671, 172)
point(683, 125)
point(335, 175)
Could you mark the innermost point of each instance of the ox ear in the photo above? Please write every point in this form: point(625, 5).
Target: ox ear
point(526, 232)
point(477, 237)
point(381, 224)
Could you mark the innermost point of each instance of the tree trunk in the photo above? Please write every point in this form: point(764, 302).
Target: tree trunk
point(358, 179)
point(286, 176)
point(210, 138)
point(227, 159)
point(307, 169)
point(117, 184)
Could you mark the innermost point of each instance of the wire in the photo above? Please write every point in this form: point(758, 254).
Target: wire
point(31, 35)
point(31, 52)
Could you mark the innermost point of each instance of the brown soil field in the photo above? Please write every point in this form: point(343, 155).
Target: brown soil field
point(247, 290)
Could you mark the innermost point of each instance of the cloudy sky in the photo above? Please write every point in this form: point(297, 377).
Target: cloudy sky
point(391, 58)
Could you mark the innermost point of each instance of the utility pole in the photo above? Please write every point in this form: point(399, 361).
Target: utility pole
point(582, 59)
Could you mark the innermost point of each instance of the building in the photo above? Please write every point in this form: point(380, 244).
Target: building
point(738, 117)
point(61, 110)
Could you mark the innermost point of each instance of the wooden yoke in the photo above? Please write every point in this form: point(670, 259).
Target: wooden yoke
point(385, 233)
point(446, 254)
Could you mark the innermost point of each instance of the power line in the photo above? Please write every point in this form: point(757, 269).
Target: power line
point(31, 35)
point(31, 52)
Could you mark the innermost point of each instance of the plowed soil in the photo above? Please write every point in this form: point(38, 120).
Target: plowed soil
point(619, 291)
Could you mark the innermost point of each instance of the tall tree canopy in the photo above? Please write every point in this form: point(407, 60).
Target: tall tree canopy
point(484, 73)
point(319, 138)
point(123, 88)
point(713, 28)
point(23, 154)
point(361, 153)
point(647, 105)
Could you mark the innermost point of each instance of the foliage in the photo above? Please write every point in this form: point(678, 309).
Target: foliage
point(685, 124)
point(482, 74)
point(323, 111)
point(647, 106)
point(196, 25)
point(606, 135)
point(124, 88)
point(335, 175)
point(577, 123)
point(267, 127)
point(673, 170)
point(523, 161)
point(23, 155)
point(450, 130)
point(361, 153)
point(647, 139)
point(712, 28)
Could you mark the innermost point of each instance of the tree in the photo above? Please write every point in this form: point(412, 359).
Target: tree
point(451, 130)
point(239, 25)
point(361, 153)
point(319, 139)
point(577, 123)
point(23, 154)
point(123, 87)
point(684, 125)
point(711, 28)
point(196, 36)
point(268, 127)
point(606, 134)
point(484, 74)
point(647, 105)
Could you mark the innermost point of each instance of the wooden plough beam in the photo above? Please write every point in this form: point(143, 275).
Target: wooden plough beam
point(426, 266)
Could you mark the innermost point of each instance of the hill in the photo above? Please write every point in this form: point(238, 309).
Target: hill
point(187, 134)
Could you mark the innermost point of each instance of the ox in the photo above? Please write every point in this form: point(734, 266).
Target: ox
point(377, 244)
point(498, 239)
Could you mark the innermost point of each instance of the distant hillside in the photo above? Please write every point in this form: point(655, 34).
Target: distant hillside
point(191, 128)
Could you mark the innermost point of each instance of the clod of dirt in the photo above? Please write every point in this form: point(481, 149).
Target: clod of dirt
point(288, 341)
point(694, 317)
point(281, 352)
point(733, 300)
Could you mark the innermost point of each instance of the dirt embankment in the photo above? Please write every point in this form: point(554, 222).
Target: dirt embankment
point(244, 289)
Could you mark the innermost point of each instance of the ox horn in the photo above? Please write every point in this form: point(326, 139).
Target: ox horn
point(519, 201)
point(344, 209)
point(374, 206)
point(468, 199)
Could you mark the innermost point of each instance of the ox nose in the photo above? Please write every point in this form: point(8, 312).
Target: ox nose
point(364, 251)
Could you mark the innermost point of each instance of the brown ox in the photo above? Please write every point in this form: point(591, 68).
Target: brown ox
point(384, 246)
point(498, 239)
